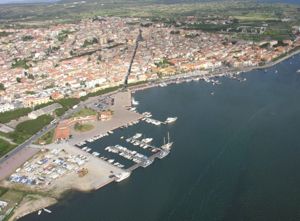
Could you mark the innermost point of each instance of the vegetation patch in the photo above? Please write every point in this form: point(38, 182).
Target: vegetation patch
point(28, 128)
point(83, 127)
point(20, 63)
point(46, 138)
point(67, 103)
point(60, 111)
point(208, 27)
point(2, 191)
point(63, 35)
point(2, 88)
point(5, 34)
point(13, 198)
point(7, 116)
point(5, 147)
point(89, 42)
point(100, 92)
point(163, 63)
point(85, 112)
point(27, 38)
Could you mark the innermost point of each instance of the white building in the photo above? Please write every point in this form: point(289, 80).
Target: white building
point(6, 107)
point(93, 83)
point(3, 204)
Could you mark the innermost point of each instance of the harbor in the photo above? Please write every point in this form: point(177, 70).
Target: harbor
point(225, 147)
point(129, 154)
point(147, 153)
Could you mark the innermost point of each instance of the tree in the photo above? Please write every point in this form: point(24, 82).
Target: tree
point(2, 88)
point(18, 80)
point(27, 38)
point(30, 76)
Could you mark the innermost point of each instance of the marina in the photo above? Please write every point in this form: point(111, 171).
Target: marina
point(133, 151)
point(229, 149)
point(135, 157)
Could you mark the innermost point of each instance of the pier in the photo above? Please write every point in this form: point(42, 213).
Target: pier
point(151, 158)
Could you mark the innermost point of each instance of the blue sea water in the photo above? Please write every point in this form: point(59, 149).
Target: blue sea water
point(235, 155)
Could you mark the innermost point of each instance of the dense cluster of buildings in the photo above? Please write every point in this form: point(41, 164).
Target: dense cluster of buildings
point(42, 64)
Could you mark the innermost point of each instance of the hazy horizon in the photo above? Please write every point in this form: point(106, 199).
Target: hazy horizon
point(49, 1)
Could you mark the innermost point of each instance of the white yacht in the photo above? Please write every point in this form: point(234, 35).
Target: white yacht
point(163, 154)
point(170, 120)
point(137, 135)
point(96, 154)
point(111, 160)
point(134, 102)
point(122, 176)
point(147, 140)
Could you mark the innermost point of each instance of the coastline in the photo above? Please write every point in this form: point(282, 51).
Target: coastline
point(99, 173)
point(211, 74)
point(30, 206)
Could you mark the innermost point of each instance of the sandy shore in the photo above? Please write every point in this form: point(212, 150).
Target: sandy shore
point(30, 204)
point(99, 175)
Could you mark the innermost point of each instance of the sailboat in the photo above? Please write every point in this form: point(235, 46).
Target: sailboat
point(168, 145)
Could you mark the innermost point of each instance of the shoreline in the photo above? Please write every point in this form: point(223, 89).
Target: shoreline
point(35, 205)
point(28, 206)
point(207, 74)
point(40, 198)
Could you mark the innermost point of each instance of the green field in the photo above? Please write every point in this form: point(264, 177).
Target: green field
point(85, 112)
point(67, 103)
point(28, 128)
point(46, 138)
point(83, 127)
point(5, 147)
point(14, 114)
point(12, 197)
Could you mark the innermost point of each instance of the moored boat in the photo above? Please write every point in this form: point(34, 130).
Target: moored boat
point(171, 120)
point(122, 176)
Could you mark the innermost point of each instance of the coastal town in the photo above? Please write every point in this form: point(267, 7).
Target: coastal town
point(39, 65)
point(75, 84)
point(68, 162)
